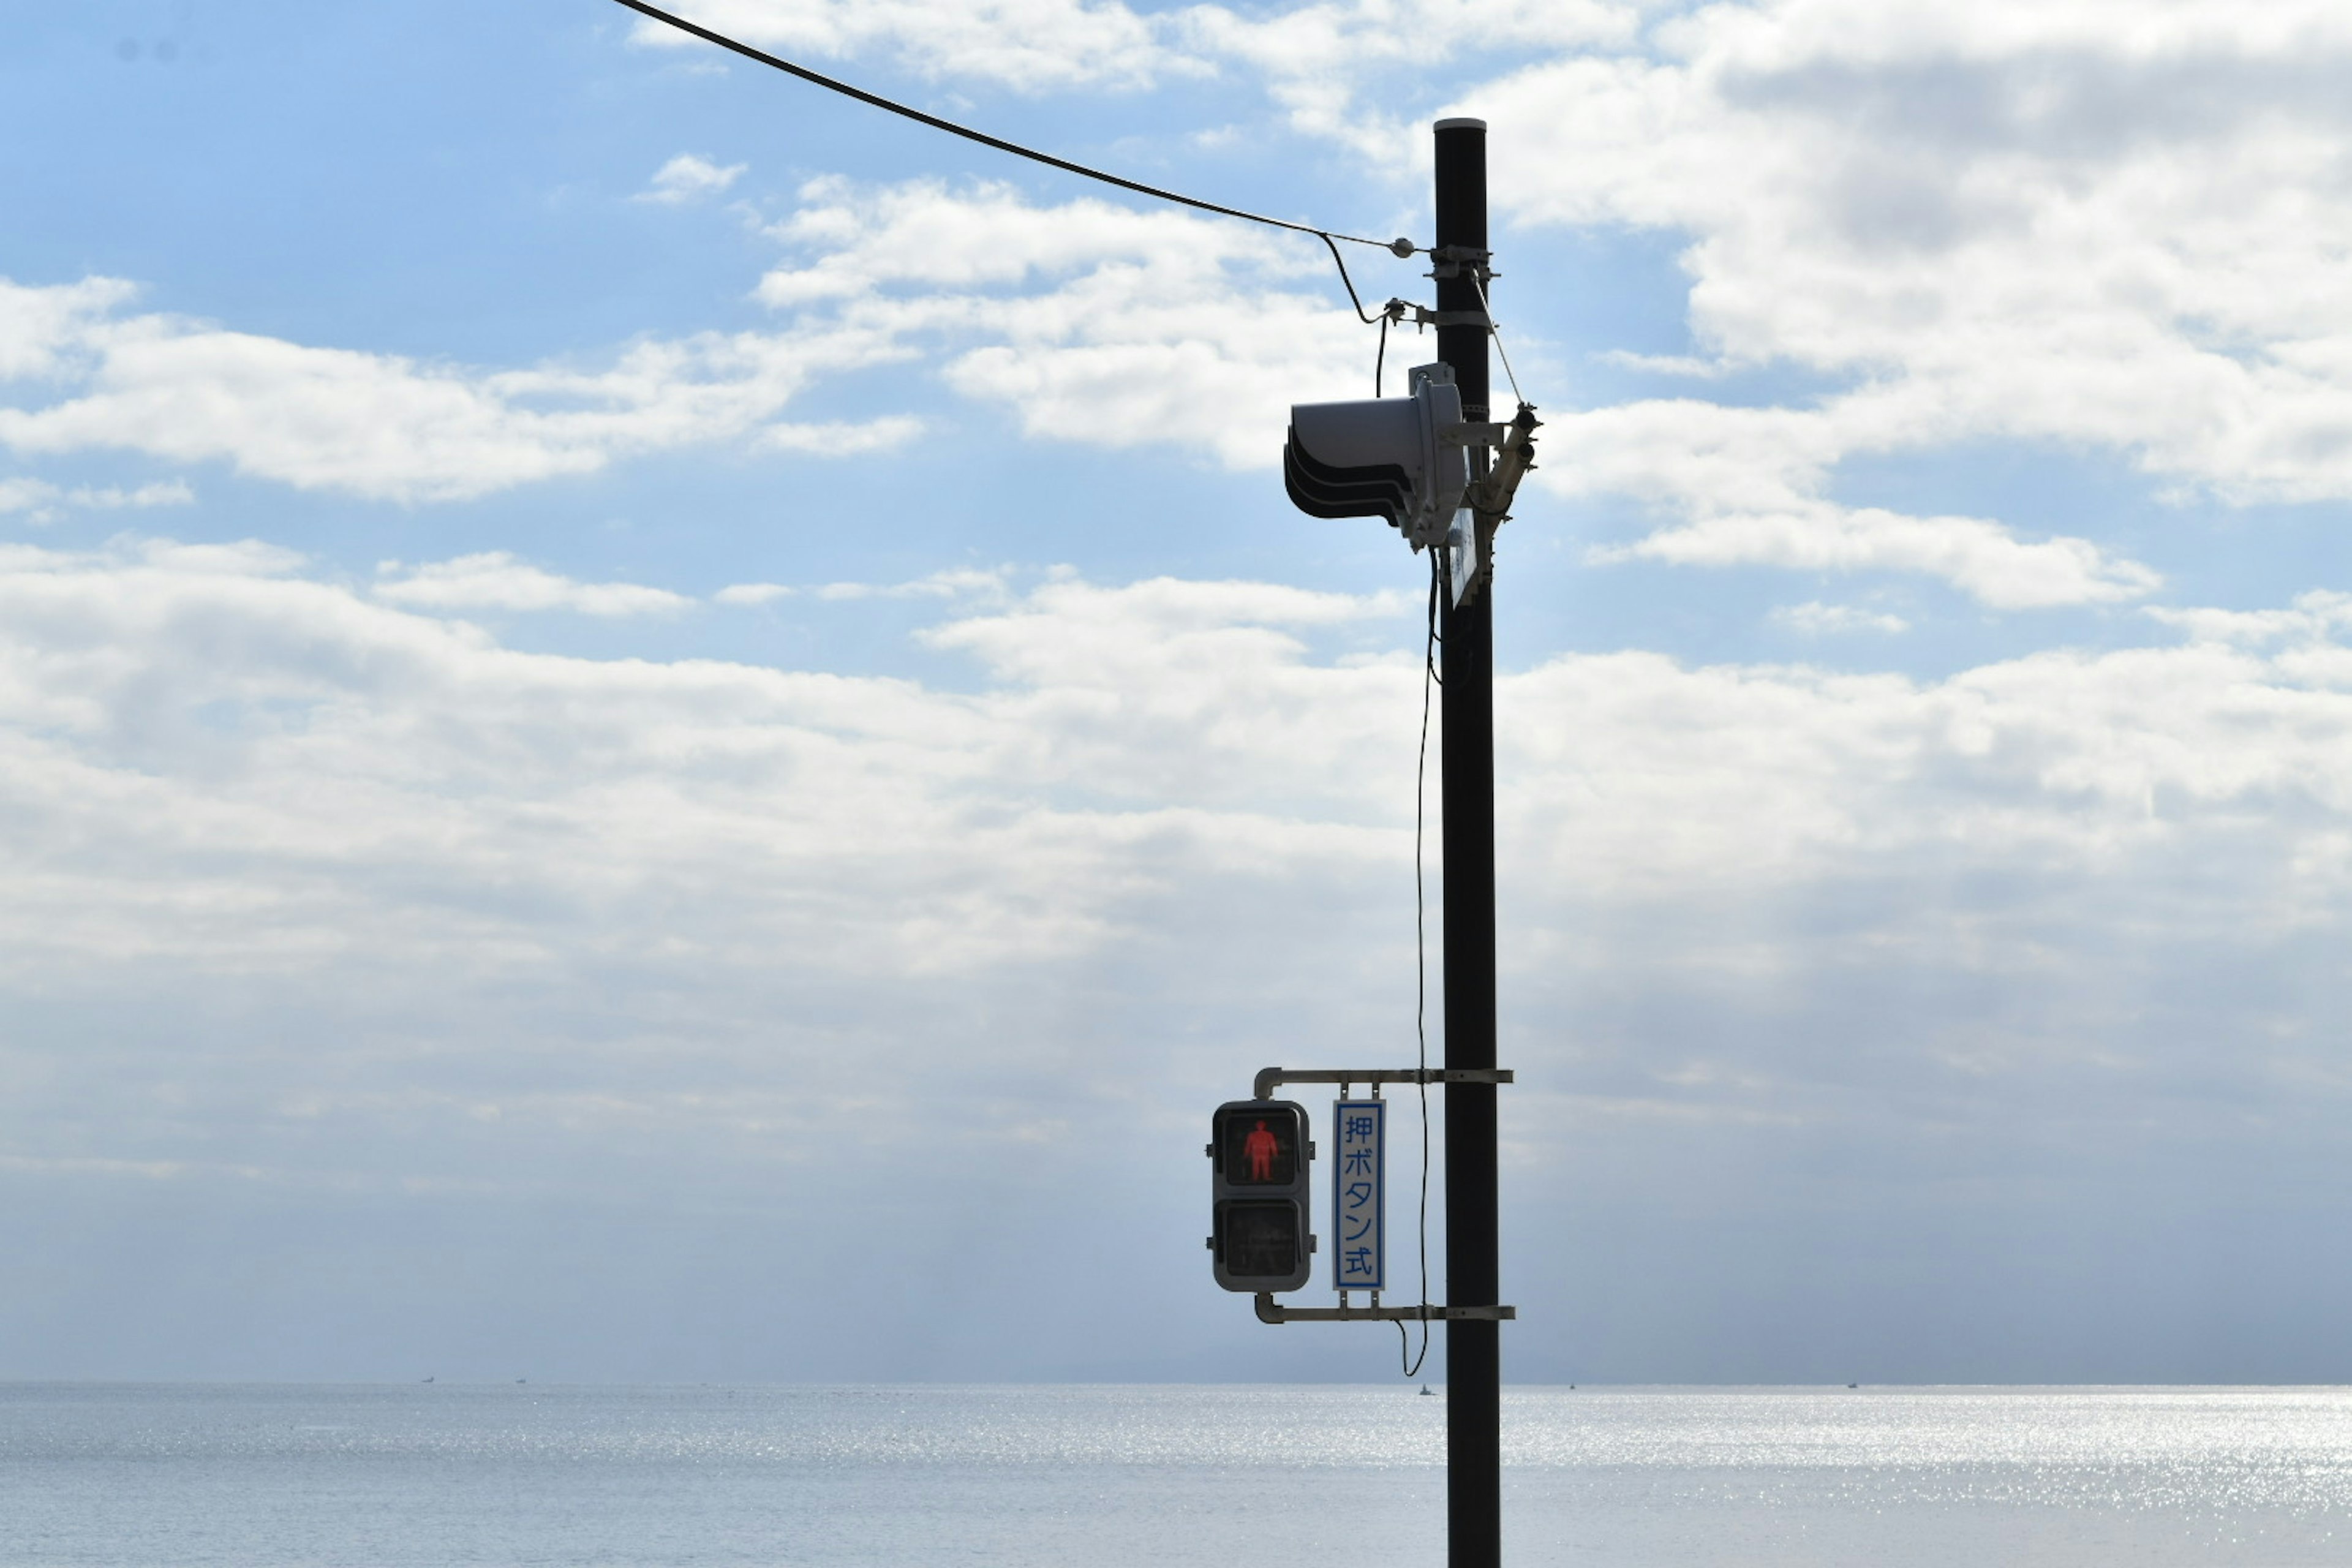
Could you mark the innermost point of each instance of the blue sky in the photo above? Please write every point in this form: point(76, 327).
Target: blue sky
point(652, 725)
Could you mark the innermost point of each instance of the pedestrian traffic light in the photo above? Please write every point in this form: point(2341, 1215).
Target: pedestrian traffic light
point(1397, 458)
point(1258, 1152)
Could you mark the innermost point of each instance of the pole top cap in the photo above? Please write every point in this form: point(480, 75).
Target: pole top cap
point(1461, 125)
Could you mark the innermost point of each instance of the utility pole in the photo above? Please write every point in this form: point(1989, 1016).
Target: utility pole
point(1474, 1377)
point(1428, 463)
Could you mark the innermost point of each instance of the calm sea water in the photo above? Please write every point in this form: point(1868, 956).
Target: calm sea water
point(356, 1477)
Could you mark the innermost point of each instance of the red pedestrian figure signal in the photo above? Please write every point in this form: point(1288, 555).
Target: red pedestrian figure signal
point(1259, 1149)
point(1258, 1152)
point(1263, 1143)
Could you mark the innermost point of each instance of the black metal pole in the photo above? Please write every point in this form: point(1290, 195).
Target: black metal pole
point(1473, 1375)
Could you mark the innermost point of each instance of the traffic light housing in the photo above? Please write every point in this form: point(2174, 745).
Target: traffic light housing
point(1396, 458)
point(1260, 1218)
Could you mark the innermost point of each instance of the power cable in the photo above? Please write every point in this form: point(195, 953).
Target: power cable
point(1353, 298)
point(1399, 247)
point(1411, 1363)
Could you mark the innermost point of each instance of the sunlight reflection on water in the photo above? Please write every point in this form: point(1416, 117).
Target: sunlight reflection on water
point(123, 1475)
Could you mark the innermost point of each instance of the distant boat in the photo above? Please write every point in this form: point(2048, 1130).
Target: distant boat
point(1424, 1388)
point(1853, 1385)
point(522, 1380)
point(428, 1380)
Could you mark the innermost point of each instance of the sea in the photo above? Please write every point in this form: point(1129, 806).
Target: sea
point(1218, 1476)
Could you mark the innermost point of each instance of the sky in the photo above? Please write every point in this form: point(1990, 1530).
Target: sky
point(655, 727)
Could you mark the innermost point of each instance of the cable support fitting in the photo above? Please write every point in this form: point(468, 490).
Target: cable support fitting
point(1422, 316)
point(1490, 498)
point(1449, 260)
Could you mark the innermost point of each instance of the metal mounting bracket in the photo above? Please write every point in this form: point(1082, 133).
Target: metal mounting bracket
point(1268, 1311)
point(1269, 1077)
point(1402, 310)
point(1448, 259)
point(1491, 497)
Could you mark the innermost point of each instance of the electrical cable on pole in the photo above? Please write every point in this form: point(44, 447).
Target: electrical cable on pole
point(1401, 249)
point(1410, 1362)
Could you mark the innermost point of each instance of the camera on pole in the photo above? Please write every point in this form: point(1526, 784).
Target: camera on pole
point(1258, 1152)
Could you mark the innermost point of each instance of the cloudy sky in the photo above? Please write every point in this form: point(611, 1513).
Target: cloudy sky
point(653, 726)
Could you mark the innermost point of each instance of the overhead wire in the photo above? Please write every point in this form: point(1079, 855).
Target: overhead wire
point(1353, 298)
point(906, 112)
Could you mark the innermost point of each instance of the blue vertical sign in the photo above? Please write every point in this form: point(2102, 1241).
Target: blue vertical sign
point(1359, 1195)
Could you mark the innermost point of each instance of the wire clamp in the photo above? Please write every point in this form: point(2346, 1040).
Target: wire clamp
point(1450, 258)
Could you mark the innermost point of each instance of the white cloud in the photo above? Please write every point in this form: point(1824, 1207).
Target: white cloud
point(1977, 557)
point(41, 501)
point(380, 425)
point(1745, 480)
point(1323, 64)
point(957, 583)
point(357, 899)
point(2315, 617)
point(2113, 227)
point(44, 331)
point(334, 763)
point(689, 178)
point(965, 584)
point(237, 558)
point(315, 883)
point(1335, 68)
point(2033, 242)
point(843, 439)
point(2111, 787)
point(1030, 45)
point(319, 773)
point(753, 592)
point(2104, 228)
point(1088, 321)
point(495, 580)
point(1817, 619)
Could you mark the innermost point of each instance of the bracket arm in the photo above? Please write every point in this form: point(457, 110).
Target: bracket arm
point(1268, 1077)
point(1268, 1311)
